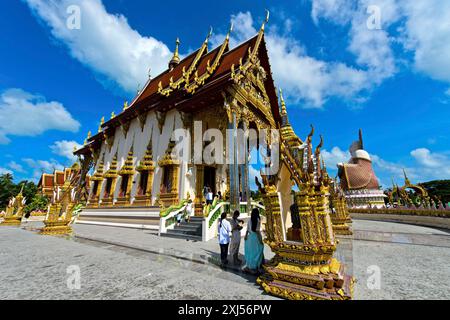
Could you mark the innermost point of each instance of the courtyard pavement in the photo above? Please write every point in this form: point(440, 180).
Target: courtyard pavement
point(120, 263)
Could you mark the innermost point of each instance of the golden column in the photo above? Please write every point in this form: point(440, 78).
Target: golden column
point(199, 196)
point(110, 175)
point(127, 172)
point(146, 166)
point(97, 180)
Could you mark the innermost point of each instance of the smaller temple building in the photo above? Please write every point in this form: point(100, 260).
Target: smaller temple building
point(50, 182)
point(358, 179)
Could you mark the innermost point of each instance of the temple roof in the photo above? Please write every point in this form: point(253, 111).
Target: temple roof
point(193, 74)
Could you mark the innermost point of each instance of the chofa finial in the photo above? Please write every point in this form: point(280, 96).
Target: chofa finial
point(266, 20)
point(283, 104)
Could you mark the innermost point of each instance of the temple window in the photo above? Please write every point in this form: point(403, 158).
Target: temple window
point(94, 189)
point(143, 183)
point(166, 186)
point(108, 187)
point(123, 185)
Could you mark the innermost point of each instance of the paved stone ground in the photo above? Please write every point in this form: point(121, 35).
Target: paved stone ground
point(120, 263)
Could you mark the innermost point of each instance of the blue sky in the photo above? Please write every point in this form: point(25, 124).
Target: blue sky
point(392, 79)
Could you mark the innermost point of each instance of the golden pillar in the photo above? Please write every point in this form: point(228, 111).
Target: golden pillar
point(199, 196)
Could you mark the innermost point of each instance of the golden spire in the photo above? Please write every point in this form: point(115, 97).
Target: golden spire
point(102, 121)
point(230, 30)
point(209, 34)
point(113, 115)
point(265, 21)
point(283, 104)
point(89, 135)
point(407, 182)
point(125, 105)
point(176, 57)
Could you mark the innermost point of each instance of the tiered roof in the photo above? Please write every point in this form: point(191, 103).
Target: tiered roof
point(196, 76)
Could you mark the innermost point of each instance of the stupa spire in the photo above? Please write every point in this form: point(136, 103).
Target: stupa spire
point(176, 56)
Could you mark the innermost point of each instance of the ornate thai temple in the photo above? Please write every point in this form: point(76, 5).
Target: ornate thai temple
point(358, 180)
point(134, 172)
point(140, 177)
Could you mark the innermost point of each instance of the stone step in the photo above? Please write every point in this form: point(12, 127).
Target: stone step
point(182, 236)
point(186, 229)
point(189, 226)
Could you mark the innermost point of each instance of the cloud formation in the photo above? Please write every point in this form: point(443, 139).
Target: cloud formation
point(425, 165)
point(422, 28)
point(25, 114)
point(305, 78)
point(65, 149)
point(105, 42)
point(42, 166)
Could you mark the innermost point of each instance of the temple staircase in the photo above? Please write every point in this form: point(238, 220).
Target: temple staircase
point(187, 230)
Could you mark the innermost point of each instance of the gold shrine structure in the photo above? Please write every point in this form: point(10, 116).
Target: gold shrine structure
point(138, 173)
point(14, 211)
point(304, 267)
point(65, 200)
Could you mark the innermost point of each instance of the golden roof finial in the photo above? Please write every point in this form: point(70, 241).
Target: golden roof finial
point(176, 56)
point(125, 105)
point(113, 115)
point(407, 182)
point(209, 34)
point(102, 121)
point(283, 104)
point(89, 135)
point(265, 21)
point(230, 30)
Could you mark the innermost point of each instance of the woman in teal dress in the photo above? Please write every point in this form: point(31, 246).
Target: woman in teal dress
point(254, 246)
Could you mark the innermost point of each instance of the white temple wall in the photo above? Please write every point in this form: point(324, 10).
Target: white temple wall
point(139, 139)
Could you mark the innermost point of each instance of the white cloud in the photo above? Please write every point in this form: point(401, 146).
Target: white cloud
point(105, 42)
point(65, 149)
point(427, 33)
point(25, 114)
point(371, 47)
point(303, 78)
point(42, 166)
point(432, 160)
point(5, 171)
point(424, 29)
point(335, 156)
point(16, 167)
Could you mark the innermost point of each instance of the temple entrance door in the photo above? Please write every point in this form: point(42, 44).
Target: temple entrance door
point(209, 178)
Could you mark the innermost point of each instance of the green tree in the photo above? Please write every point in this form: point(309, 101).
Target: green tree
point(7, 189)
point(39, 202)
point(438, 188)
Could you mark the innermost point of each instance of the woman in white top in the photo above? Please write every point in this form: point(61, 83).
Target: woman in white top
point(224, 231)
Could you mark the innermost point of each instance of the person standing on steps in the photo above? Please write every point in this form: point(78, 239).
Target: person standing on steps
point(224, 231)
point(236, 227)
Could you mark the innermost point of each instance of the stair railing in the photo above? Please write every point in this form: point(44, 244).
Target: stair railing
point(168, 221)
